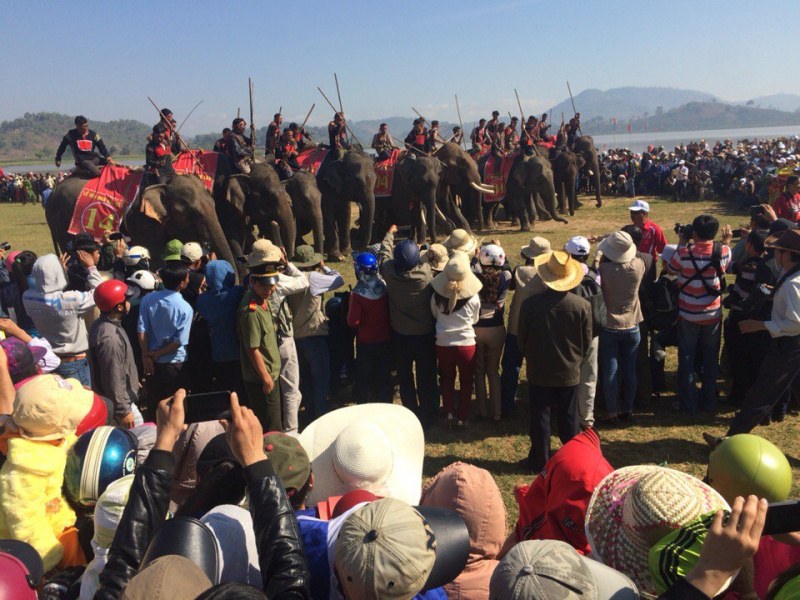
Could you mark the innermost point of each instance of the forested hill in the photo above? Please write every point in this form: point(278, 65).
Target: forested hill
point(698, 116)
point(37, 135)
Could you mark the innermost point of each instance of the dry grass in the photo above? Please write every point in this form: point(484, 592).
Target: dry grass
point(659, 435)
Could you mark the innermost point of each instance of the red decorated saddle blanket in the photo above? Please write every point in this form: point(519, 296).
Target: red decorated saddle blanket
point(104, 200)
point(385, 174)
point(497, 178)
point(184, 164)
point(311, 158)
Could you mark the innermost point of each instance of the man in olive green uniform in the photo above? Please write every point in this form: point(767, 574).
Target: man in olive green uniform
point(255, 327)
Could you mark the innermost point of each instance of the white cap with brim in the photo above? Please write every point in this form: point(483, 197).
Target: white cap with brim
point(639, 206)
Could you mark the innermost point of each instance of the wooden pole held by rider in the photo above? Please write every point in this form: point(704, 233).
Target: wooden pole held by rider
point(252, 125)
point(461, 124)
point(175, 133)
point(333, 108)
point(572, 100)
point(310, 110)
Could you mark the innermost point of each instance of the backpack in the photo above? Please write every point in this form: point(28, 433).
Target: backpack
point(665, 304)
point(716, 262)
point(589, 289)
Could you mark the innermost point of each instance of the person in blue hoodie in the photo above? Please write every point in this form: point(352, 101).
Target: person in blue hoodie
point(218, 307)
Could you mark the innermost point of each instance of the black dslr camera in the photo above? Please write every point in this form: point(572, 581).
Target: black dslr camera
point(685, 231)
point(5, 246)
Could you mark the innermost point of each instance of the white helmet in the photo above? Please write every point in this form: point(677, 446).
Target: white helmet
point(134, 254)
point(144, 279)
point(492, 255)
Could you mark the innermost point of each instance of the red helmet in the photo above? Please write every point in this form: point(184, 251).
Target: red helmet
point(21, 571)
point(96, 417)
point(110, 293)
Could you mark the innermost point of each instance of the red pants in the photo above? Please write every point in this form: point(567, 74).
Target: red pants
point(452, 358)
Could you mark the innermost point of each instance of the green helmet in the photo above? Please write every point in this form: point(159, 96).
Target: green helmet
point(747, 464)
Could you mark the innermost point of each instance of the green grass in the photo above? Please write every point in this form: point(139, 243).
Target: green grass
point(658, 435)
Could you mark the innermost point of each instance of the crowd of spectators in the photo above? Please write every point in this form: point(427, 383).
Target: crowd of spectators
point(28, 187)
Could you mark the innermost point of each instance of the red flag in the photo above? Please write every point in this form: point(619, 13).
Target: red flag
point(629, 127)
point(645, 126)
point(615, 121)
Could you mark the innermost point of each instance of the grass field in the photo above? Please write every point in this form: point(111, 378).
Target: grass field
point(658, 435)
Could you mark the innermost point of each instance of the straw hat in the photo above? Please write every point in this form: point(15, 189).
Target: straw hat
point(536, 247)
point(457, 281)
point(558, 270)
point(635, 507)
point(461, 240)
point(618, 247)
point(374, 447)
point(436, 257)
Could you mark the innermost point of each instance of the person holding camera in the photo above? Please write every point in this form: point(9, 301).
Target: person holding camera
point(782, 361)
point(700, 267)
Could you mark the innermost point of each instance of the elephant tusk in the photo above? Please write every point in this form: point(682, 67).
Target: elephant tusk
point(458, 201)
point(483, 188)
point(441, 214)
point(589, 172)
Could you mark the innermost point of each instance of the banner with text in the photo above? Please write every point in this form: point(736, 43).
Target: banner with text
point(104, 201)
point(184, 164)
point(385, 174)
point(497, 177)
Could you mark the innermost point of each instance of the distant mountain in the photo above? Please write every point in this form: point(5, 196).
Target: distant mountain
point(787, 102)
point(698, 116)
point(626, 102)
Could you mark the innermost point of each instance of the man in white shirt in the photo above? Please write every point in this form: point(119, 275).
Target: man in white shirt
point(782, 361)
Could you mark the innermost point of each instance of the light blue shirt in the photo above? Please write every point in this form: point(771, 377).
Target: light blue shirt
point(166, 317)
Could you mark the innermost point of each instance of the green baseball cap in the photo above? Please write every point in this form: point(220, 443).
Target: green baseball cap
point(289, 460)
point(172, 251)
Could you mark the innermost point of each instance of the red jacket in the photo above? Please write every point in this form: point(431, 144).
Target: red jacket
point(554, 506)
point(371, 318)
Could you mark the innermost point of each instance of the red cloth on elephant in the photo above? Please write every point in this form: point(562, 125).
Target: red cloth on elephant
point(498, 177)
point(184, 164)
point(104, 200)
point(311, 158)
point(384, 170)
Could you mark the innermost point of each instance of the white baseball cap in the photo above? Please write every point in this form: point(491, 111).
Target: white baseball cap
point(191, 252)
point(639, 205)
point(577, 246)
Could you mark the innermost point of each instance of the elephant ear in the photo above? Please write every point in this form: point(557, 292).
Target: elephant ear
point(153, 203)
point(236, 191)
point(580, 160)
point(333, 176)
point(520, 174)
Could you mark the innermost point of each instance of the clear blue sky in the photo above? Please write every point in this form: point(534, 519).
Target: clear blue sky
point(103, 59)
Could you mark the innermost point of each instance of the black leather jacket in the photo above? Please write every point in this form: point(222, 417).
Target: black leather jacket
point(284, 569)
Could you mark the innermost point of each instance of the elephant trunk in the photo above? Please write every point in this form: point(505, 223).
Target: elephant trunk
point(366, 217)
point(598, 197)
point(548, 194)
point(219, 243)
point(288, 226)
point(317, 230)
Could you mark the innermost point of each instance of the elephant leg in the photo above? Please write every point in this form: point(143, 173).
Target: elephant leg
point(343, 220)
point(331, 235)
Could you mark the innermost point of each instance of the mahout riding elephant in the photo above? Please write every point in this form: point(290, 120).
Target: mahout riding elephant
point(257, 199)
point(566, 166)
point(463, 182)
point(181, 208)
point(584, 145)
point(528, 178)
point(350, 179)
point(306, 206)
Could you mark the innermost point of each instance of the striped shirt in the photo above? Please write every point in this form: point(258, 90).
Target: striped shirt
point(695, 304)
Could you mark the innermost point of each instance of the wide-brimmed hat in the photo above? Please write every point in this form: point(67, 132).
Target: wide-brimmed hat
point(558, 270)
point(436, 257)
point(375, 447)
point(457, 281)
point(304, 256)
point(618, 247)
point(635, 507)
point(264, 252)
point(536, 247)
point(789, 240)
point(461, 240)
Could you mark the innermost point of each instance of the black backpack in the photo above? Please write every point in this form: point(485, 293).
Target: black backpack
point(665, 303)
point(588, 288)
point(716, 262)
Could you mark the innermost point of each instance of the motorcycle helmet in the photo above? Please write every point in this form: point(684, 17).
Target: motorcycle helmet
point(21, 570)
point(134, 255)
point(96, 417)
point(143, 279)
point(99, 457)
point(365, 263)
point(110, 293)
point(492, 255)
point(747, 464)
point(406, 255)
point(189, 538)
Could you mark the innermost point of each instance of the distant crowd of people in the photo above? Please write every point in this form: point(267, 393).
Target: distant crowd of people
point(28, 187)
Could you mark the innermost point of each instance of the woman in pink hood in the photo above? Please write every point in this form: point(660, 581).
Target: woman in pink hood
point(474, 495)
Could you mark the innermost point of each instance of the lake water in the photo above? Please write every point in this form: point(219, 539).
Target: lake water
point(634, 141)
point(669, 139)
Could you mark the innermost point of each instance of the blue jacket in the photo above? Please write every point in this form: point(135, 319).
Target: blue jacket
point(218, 307)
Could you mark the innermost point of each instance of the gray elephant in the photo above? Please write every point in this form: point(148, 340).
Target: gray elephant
point(307, 207)
point(181, 209)
point(350, 179)
point(257, 199)
point(530, 177)
point(584, 146)
point(566, 166)
point(463, 198)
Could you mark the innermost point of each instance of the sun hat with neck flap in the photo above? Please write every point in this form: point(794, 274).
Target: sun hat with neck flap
point(618, 247)
point(558, 270)
point(457, 281)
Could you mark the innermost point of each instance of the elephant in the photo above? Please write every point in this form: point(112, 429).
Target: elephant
point(463, 181)
point(584, 146)
point(351, 178)
point(528, 178)
point(306, 206)
point(257, 199)
point(566, 166)
point(181, 208)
